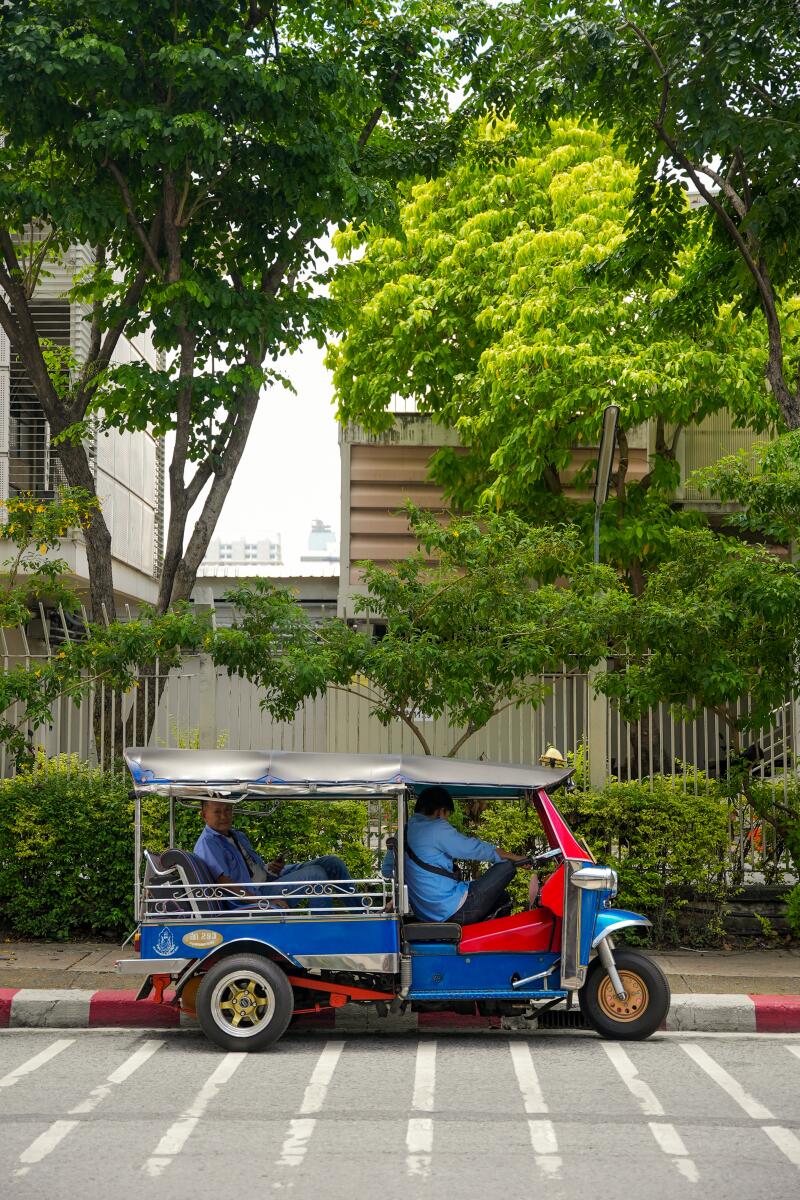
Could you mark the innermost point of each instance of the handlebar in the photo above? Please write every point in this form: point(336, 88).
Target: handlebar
point(536, 860)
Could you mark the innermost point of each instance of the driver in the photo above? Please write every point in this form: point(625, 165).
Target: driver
point(435, 887)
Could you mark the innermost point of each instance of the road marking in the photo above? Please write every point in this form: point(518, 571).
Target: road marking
point(318, 1084)
point(542, 1132)
point(123, 1072)
point(419, 1134)
point(46, 1142)
point(794, 1050)
point(178, 1133)
point(527, 1078)
point(667, 1137)
point(34, 1063)
point(629, 1074)
point(295, 1144)
point(785, 1140)
point(754, 1108)
point(672, 1144)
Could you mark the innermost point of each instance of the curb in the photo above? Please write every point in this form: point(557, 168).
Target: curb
point(72, 1008)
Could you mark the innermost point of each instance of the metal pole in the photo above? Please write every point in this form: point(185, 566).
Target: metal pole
point(596, 536)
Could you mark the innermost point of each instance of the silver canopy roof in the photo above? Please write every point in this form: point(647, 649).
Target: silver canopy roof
point(244, 771)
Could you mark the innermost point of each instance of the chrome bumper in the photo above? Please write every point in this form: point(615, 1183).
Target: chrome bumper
point(151, 966)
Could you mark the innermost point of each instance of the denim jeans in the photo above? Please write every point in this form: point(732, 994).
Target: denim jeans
point(485, 894)
point(327, 866)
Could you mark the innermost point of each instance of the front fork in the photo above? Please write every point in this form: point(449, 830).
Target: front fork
point(605, 950)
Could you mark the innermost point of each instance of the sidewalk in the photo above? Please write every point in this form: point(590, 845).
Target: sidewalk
point(75, 985)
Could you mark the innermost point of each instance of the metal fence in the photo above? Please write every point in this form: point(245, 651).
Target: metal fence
point(201, 706)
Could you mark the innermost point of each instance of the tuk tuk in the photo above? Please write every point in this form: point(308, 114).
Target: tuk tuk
point(244, 961)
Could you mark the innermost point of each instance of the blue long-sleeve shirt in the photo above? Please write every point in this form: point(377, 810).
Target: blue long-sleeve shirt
point(434, 840)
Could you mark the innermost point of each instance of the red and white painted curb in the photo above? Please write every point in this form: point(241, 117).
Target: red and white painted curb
point(67, 1008)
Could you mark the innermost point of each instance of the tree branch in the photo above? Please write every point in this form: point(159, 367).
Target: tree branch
point(133, 218)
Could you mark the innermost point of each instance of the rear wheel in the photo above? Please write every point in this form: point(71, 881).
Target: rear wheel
point(244, 1003)
point(646, 1002)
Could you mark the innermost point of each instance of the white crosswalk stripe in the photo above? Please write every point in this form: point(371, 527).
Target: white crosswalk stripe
point(34, 1063)
point(786, 1141)
point(295, 1143)
point(542, 1131)
point(179, 1133)
point(55, 1134)
point(419, 1134)
point(666, 1136)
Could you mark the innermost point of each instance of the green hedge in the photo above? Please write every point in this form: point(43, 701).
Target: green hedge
point(664, 842)
point(66, 846)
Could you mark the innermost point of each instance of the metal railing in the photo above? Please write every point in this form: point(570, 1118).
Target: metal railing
point(181, 901)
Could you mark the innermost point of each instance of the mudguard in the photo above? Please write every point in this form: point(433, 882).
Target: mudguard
point(610, 920)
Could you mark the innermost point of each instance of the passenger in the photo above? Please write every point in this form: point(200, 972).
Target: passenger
point(435, 887)
point(230, 857)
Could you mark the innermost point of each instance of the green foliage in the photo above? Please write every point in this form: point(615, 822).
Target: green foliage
point(303, 829)
point(487, 307)
point(36, 528)
point(777, 802)
point(793, 910)
point(204, 150)
point(663, 840)
point(717, 623)
point(472, 634)
point(693, 92)
point(765, 482)
point(66, 845)
point(66, 851)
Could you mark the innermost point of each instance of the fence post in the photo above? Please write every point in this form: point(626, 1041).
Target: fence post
point(206, 684)
point(598, 730)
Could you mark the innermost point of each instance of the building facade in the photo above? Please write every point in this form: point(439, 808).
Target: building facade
point(128, 467)
point(380, 472)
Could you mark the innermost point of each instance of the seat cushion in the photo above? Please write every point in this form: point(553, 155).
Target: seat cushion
point(431, 931)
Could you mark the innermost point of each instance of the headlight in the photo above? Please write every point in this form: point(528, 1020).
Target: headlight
point(596, 879)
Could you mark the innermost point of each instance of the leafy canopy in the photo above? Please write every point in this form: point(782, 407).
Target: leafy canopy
point(702, 92)
point(471, 635)
point(488, 307)
point(202, 150)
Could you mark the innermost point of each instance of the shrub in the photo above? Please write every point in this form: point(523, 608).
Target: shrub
point(793, 910)
point(663, 841)
point(66, 845)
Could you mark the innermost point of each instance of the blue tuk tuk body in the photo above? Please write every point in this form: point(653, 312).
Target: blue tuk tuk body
point(246, 960)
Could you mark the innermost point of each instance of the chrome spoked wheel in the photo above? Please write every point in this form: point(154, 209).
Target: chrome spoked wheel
point(244, 1003)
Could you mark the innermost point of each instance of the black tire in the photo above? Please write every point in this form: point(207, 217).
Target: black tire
point(244, 1002)
point(648, 997)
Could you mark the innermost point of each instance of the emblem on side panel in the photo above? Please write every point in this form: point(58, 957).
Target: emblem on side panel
point(202, 939)
point(166, 944)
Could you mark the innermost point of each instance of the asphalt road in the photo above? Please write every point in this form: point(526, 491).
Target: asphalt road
point(115, 1115)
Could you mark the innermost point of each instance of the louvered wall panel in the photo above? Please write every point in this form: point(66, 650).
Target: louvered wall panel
point(713, 439)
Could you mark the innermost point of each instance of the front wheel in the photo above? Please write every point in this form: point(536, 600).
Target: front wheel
point(244, 1003)
point(645, 1006)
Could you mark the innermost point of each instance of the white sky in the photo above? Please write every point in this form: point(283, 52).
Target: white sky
point(289, 472)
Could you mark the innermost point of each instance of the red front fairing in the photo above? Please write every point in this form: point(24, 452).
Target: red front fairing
point(524, 933)
point(540, 929)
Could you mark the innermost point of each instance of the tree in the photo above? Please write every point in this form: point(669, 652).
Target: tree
point(717, 628)
point(472, 635)
point(200, 151)
point(701, 93)
point(488, 307)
